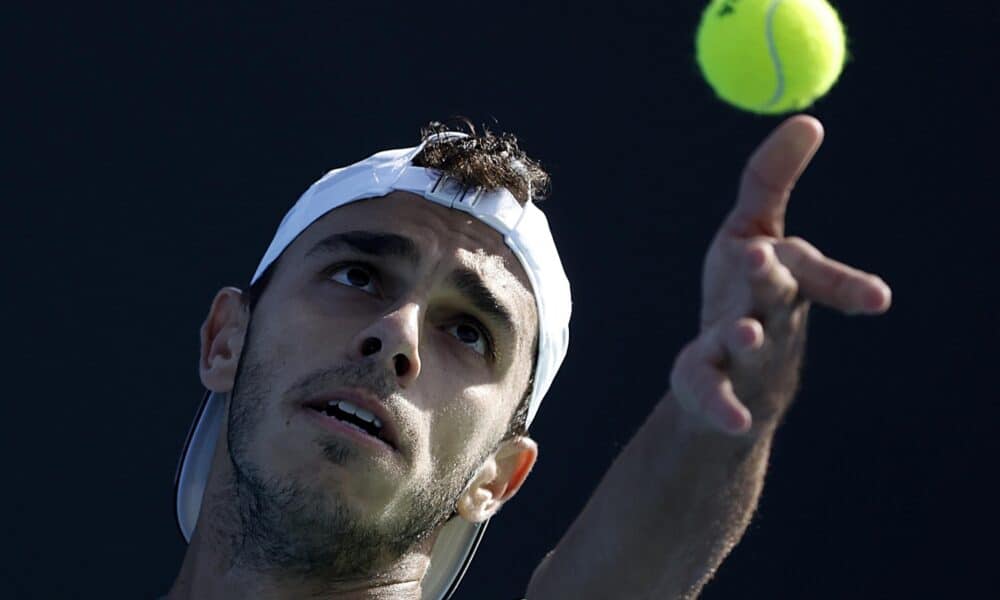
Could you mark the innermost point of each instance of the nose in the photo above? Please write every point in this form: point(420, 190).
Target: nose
point(393, 341)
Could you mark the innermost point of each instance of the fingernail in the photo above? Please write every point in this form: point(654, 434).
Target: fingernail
point(877, 299)
point(748, 336)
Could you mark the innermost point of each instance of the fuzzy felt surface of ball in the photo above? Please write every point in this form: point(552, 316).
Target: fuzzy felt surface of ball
point(770, 56)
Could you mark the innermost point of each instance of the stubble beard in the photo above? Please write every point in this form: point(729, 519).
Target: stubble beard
point(287, 527)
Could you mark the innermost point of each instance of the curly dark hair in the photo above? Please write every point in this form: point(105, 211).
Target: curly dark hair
point(487, 160)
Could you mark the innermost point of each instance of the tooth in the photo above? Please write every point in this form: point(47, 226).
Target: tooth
point(347, 407)
point(364, 414)
point(378, 423)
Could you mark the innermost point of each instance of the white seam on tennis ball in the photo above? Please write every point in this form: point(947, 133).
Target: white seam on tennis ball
point(773, 49)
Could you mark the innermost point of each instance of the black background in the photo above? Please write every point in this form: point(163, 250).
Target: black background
point(151, 150)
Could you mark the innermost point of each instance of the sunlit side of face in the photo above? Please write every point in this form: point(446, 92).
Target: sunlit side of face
point(449, 398)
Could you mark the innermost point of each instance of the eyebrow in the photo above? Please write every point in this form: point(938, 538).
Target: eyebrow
point(465, 281)
point(382, 245)
point(471, 286)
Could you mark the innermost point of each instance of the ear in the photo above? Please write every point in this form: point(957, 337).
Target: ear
point(222, 340)
point(498, 479)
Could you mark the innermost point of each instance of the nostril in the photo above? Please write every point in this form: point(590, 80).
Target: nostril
point(370, 346)
point(402, 365)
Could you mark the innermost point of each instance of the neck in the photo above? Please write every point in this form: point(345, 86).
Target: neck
point(208, 572)
point(213, 567)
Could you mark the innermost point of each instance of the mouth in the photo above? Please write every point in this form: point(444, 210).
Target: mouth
point(355, 414)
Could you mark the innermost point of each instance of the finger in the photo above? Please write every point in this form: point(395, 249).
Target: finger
point(772, 285)
point(743, 339)
point(770, 174)
point(703, 388)
point(833, 283)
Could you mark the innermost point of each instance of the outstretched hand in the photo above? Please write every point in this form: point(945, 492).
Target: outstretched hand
point(686, 511)
point(757, 285)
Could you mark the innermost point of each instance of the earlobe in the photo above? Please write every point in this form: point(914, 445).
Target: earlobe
point(222, 340)
point(498, 480)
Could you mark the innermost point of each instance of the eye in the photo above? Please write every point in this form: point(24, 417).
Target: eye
point(472, 336)
point(354, 275)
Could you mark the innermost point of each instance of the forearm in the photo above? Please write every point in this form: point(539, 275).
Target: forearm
point(671, 507)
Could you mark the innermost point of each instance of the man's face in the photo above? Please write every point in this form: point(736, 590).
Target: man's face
point(415, 313)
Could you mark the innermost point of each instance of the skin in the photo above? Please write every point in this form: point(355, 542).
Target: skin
point(450, 404)
point(692, 474)
point(690, 477)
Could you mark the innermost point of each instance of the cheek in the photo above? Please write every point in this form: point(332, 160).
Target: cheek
point(285, 348)
point(466, 423)
point(302, 339)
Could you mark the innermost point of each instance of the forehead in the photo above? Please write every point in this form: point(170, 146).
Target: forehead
point(442, 236)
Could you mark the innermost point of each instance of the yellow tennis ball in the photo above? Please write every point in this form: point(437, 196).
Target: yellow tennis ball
point(770, 56)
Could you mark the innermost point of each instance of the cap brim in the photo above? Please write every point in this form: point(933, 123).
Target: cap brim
point(450, 558)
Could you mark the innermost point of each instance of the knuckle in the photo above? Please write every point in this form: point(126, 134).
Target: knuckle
point(803, 245)
point(783, 278)
point(796, 252)
point(778, 284)
point(790, 291)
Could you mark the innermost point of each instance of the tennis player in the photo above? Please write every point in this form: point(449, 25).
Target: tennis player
point(369, 394)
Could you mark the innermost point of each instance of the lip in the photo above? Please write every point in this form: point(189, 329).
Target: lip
point(364, 400)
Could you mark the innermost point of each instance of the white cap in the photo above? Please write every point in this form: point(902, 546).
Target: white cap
point(526, 233)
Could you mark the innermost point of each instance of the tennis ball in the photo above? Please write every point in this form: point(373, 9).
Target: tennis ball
point(770, 56)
